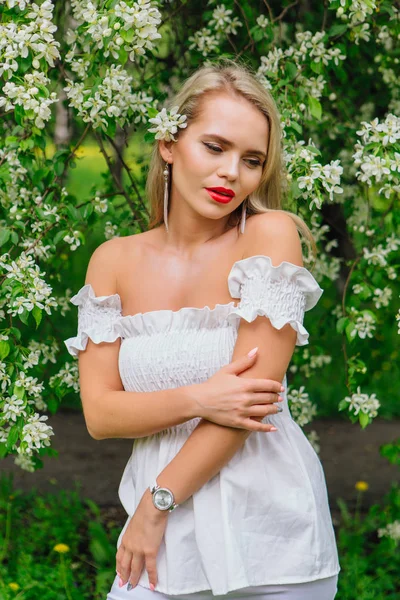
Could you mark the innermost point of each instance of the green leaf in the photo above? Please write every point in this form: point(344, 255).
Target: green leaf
point(19, 114)
point(52, 404)
point(39, 176)
point(296, 126)
point(27, 144)
point(257, 34)
point(12, 437)
point(59, 236)
point(349, 329)
point(37, 314)
point(337, 29)
point(341, 324)
point(11, 140)
point(364, 419)
point(315, 107)
point(4, 349)
point(3, 450)
point(19, 391)
point(149, 137)
point(111, 129)
point(87, 211)
point(152, 112)
point(59, 168)
point(4, 235)
point(73, 212)
point(317, 67)
point(123, 56)
point(290, 70)
point(24, 317)
point(296, 191)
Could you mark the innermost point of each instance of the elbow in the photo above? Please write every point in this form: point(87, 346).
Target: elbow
point(95, 435)
point(93, 429)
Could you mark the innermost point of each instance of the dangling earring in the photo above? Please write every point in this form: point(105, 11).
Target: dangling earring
point(166, 177)
point(243, 219)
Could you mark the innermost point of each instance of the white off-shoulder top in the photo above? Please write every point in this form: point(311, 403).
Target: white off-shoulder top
point(264, 518)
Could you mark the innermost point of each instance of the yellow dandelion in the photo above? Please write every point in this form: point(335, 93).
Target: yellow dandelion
point(61, 548)
point(14, 586)
point(361, 486)
point(11, 497)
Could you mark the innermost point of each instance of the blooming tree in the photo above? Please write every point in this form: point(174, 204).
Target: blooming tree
point(111, 65)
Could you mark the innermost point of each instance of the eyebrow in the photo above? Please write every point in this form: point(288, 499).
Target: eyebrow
point(230, 144)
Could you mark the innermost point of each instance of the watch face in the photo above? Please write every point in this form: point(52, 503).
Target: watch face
point(163, 499)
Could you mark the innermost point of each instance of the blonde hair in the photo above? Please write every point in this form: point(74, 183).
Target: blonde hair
point(235, 78)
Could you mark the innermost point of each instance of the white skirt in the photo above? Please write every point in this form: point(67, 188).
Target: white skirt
point(320, 589)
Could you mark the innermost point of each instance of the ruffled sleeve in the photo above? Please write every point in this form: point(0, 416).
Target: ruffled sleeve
point(282, 293)
point(96, 319)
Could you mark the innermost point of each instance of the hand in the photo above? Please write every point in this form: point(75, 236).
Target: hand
point(233, 401)
point(141, 542)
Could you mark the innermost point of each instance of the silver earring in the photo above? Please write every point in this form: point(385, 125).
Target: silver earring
point(243, 219)
point(166, 177)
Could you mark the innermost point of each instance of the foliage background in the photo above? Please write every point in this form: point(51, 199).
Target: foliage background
point(78, 82)
point(81, 79)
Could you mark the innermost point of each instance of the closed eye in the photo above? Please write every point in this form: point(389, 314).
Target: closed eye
point(213, 148)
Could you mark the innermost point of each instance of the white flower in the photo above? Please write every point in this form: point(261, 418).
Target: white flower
point(313, 438)
point(204, 41)
point(35, 434)
point(302, 409)
point(262, 21)
point(364, 403)
point(167, 124)
point(15, 407)
point(391, 530)
point(25, 462)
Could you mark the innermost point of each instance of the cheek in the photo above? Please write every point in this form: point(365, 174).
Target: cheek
point(195, 160)
point(251, 179)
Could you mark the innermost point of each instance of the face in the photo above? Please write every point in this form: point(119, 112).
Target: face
point(201, 160)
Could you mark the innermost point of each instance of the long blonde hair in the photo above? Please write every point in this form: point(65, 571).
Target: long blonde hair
point(235, 78)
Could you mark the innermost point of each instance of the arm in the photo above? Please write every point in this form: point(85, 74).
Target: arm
point(211, 446)
point(109, 410)
point(121, 414)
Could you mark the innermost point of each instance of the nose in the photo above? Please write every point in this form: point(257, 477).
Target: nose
point(229, 168)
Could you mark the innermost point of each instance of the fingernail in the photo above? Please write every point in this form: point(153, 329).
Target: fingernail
point(279, 408)
point(130, 586)
point(252, 352)
point(273, 429)
point(282, 388)
point(152, 587)
point(121, 583)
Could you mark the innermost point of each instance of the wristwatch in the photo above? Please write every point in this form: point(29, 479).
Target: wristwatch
point(163, 498)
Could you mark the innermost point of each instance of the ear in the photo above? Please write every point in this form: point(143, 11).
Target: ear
point(165, 149)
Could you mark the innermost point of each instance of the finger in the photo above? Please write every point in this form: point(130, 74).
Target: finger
point(125, 565)
point(263, 411)
point(136, 568)
point(240, 364)
point(263, 398)
point(265, 385)
point(251, 425)
point(151, 568)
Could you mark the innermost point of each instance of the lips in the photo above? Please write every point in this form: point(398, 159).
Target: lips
point(221, 194)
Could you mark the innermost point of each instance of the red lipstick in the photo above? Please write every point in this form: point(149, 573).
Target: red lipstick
point(221, 194)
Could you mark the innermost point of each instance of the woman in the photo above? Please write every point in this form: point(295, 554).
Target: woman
point(243, 510)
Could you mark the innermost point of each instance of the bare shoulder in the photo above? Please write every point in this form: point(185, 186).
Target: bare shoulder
point(106, 255)
point(133, 246)
point(274, 234)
